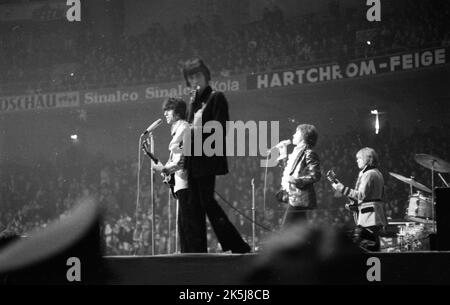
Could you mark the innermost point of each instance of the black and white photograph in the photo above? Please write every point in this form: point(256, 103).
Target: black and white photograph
point(224, 148)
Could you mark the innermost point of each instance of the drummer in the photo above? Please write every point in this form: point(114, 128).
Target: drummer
point(368, 192)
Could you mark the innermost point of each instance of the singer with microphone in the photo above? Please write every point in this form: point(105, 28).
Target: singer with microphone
point(173, 171)
point(301, 171)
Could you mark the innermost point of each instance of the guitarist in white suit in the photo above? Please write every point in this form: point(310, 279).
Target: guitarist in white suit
point(368, 194)
point(175, 114)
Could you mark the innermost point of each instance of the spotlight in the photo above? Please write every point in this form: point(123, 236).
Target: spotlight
point(368, 42)
point(377, 122)
point(74, 138)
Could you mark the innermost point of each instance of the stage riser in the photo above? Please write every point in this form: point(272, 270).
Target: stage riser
point(395, 268)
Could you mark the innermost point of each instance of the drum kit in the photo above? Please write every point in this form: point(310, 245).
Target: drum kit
point(419, 223)
point(421, 208)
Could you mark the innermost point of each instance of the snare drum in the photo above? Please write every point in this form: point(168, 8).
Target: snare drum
point(420, 206)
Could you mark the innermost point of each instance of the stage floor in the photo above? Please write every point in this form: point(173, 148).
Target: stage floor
point(431, 267)
point(180, 269)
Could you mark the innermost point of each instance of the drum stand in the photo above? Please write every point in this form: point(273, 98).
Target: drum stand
point(433, 204)
point(411, 187)
point(443, 180)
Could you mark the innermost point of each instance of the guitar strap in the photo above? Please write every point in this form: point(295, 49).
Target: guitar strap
point(180, 145)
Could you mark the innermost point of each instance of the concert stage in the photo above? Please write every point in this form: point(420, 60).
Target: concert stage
point(232, 269)
point(180, 269)
point(431, 267)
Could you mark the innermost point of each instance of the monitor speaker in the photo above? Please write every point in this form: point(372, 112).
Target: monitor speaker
point(442, 237)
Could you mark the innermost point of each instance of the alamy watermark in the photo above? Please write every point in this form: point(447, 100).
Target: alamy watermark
point(73, 274)
point(215, 139)
point(374, 12)
point(74, 11)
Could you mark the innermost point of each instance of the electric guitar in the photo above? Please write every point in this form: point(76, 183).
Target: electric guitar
point(352, 204)
point(168, 179)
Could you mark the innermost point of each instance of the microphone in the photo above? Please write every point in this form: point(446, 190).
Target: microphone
point(285, 142)
point(152, 127)
point(194, 93)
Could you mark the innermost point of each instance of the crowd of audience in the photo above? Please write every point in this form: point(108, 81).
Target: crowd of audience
point(65, 56)
point(31, 197)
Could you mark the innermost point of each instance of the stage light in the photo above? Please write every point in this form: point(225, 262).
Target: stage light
point(368, 42)
point(377, 122)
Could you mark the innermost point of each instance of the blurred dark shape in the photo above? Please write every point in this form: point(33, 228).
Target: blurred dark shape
point(42, 257)
point(305, 254)
point(366, 238)
point(6, 237)
point(282, 196)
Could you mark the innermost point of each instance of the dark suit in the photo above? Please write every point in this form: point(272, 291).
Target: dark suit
point(202, 172)
point(305, 168)
point(216, 109)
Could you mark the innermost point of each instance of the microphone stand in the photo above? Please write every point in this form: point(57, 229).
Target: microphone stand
point(169, 239)
point(176, 226)
point(138, 191)
point(265, 182)
point(253, 215)
point(152, 203)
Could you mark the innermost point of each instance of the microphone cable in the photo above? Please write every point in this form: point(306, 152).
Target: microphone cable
point(245, 216)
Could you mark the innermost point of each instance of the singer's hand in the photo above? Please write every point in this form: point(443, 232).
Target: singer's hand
point(338, 186)
point(292, 180)
point(194, 92)
point(145, 145)
point(283, 151)
point(283, 144)
point(282, 196)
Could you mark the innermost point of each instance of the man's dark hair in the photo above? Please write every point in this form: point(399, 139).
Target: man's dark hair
point(177, 105)
point(310, 134)
point(193, 66)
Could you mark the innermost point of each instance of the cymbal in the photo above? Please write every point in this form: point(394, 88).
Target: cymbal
point(430, 162)
point(411, 181)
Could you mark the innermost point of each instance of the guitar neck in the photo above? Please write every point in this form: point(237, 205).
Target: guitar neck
point(332, 179)
point(152, 156)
